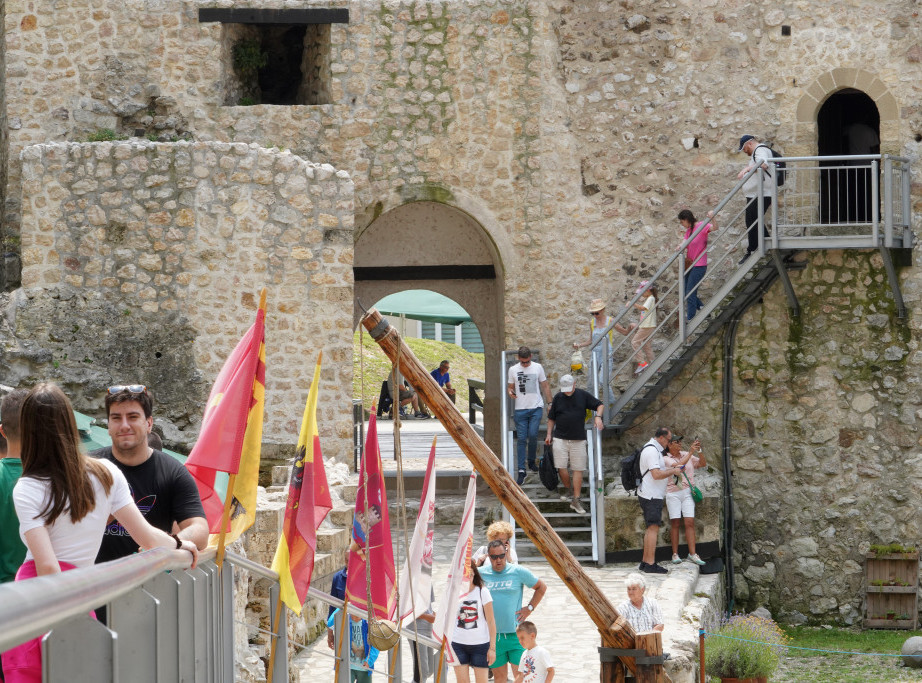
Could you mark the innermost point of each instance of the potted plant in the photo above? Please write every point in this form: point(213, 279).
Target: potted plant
point(743, 648)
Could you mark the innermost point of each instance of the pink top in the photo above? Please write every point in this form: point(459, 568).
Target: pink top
point(689, 470)
point(698, 246)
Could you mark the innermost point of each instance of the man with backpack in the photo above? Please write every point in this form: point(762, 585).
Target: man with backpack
point(759, 155)
point(652, 494)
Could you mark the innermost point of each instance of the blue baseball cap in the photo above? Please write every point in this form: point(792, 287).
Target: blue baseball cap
point(744, 140)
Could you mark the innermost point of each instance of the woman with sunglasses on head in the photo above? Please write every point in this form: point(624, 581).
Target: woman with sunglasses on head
point(474, 638)
point(64, 500)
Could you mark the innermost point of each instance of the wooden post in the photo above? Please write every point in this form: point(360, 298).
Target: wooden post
point(701, 654)
point(652, 642)
point(614, 630)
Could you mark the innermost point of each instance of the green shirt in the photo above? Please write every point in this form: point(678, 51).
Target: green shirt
point(12, 549)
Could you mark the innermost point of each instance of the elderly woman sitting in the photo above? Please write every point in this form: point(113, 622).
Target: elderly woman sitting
point(642, 613)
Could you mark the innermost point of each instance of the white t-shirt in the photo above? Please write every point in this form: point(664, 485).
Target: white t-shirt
point(651, 458)
point(648, 317)
point(526, 381)
point(535, 663)
point(471, 627)
point(74, 543)
point(762, 154)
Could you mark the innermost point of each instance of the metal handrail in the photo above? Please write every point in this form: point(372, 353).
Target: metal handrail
point(31, 607)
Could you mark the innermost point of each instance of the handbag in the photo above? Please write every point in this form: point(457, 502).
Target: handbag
point(697, 496)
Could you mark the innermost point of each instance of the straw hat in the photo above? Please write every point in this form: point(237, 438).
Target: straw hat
point(595, 306)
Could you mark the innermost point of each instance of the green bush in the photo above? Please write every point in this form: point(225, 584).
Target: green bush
point(744, 646)
point(104, 135)
point(249, 56)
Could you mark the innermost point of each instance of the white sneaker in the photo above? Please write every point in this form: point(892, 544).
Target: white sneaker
point(693, 558)
point(676, 559)
point(565, 497)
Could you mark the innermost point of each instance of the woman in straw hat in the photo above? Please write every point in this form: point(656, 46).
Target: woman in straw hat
point(598, 322)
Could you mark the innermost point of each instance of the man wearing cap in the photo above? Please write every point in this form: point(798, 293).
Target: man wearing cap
point(759, 155)
point(566, 423)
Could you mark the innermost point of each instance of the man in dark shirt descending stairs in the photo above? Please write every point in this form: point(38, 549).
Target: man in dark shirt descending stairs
point(566, 426)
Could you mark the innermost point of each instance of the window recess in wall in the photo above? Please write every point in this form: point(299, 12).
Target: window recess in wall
point(276, 56)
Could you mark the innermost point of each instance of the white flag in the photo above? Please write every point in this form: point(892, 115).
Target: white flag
point(419, 565)
point(459, 575)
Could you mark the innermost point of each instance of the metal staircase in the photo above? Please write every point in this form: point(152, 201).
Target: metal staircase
point(802, 216)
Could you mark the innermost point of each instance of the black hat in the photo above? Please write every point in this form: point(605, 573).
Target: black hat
point(744, 140)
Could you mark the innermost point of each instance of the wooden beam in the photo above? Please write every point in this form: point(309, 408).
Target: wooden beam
point(248, 15)
point(652, 642)
point(489, 467)
point(447, 272)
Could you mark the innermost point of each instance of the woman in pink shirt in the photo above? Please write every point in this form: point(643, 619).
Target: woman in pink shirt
point(679, 501)
point(696, 257)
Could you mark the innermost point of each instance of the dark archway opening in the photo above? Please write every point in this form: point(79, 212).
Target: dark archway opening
point(848, 124)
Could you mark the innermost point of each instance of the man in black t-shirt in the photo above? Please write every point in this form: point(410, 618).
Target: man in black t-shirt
point(162, 488)
point(566, 423)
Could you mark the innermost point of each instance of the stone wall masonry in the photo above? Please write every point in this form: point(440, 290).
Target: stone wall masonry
point(143, 262)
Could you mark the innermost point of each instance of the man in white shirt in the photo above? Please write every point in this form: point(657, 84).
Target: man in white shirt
point(527, 383)
point(652, 494)
point(759, 155)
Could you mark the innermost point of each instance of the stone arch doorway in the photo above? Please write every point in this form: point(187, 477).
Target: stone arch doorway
point(435, 246)
point(848, 123)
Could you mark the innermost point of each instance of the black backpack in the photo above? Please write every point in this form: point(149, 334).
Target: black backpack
point(630, 471)
point(780, 166)
point(546, 470)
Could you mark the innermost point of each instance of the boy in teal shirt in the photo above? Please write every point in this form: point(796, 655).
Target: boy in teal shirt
point(362, 654)
point(12, 549)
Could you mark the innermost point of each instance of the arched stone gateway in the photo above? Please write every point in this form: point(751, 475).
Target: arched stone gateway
point(435, 246)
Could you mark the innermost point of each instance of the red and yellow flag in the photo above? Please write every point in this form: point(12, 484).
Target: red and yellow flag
point(372, 550)
point(308, 503)
point(230, 439)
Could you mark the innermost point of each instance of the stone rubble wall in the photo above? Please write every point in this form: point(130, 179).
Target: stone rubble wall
point(143, 262)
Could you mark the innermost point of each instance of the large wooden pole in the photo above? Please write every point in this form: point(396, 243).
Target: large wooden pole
point(616, 632)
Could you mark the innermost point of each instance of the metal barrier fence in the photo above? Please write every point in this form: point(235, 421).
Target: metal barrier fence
point(165, 623)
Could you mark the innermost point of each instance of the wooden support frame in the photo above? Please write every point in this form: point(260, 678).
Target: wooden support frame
point(614, 630)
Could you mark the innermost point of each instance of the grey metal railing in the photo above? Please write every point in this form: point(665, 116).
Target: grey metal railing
point(842, 202)
point(165, 622)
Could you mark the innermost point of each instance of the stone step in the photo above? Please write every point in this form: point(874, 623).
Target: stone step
point(280, 475)
point(332, 540)
point(349, 492)
point(341, 516)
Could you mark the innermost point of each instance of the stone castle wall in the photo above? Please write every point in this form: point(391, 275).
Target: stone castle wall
point(143, 262)
point(573, 132)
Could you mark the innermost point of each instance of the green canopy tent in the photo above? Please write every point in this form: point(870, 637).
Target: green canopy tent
point(421, 304)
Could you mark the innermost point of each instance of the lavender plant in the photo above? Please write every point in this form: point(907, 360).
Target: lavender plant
point(743, 646)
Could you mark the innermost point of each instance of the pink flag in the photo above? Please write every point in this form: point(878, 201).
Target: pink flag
point(371, 547)
point(419, 565)
point(459, 574)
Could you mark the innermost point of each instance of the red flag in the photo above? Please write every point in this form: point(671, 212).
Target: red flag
point(224, 424)
point(308, 503)
point(371, 537)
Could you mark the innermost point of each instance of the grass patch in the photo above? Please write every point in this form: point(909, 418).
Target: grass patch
point(430, 353)
point(799, 666)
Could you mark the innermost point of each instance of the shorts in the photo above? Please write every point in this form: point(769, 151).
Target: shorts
point(572, 453)
point(475, 655)
point(652, 510)
point(508, 650)
point(406, 393)
point(680, 504)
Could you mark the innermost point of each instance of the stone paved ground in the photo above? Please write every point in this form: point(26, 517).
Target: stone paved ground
point(562, 626)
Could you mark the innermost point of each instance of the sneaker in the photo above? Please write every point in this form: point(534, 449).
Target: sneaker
point(577, 507)
point(745, 257)
point(422, 416)
point(693, 558)
point(521, 478)
point(676, 559)
point(532, 465)
point(654, 569)
point(640, 368)
point(565, 496)
point(642, 566)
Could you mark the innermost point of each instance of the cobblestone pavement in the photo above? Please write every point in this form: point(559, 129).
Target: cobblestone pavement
point(563, 627)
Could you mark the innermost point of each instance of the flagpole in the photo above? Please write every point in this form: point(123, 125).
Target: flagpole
point(339, 641)
point(225, 518)
point(438, 672)
point(273, 639)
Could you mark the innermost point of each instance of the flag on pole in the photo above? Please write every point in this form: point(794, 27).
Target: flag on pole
point(459, 574)
point(308, 503)
point(371, 537)
point(231, 435)
point(419, 565)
